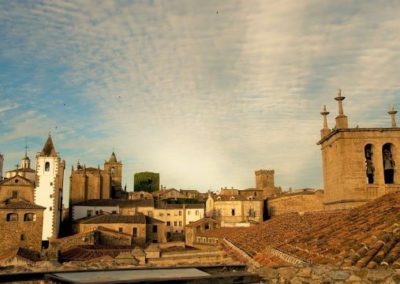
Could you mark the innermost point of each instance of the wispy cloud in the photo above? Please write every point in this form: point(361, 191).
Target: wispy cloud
point(205, 93)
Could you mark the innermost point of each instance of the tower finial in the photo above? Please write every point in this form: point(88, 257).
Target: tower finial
point(26, 150)
point(392, 112)
point(339, 98)
point(325, 129)
point(324, 113)
point(341, 119)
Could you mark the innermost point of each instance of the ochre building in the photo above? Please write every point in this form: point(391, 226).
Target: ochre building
point(88, 183)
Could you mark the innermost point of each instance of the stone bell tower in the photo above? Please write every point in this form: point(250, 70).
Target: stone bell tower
point(359, 164)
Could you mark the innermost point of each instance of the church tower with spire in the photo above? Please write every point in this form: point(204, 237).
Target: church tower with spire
point(49, 188)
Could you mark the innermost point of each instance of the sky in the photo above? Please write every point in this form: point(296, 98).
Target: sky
point(203, 92)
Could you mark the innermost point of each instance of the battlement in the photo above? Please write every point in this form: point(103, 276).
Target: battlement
point(265, 172)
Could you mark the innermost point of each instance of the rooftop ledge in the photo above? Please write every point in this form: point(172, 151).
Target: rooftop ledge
point(334, 132)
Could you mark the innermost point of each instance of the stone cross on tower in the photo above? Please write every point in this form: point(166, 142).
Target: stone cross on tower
point(392, 113)
point(341, 119)
point(325, 129)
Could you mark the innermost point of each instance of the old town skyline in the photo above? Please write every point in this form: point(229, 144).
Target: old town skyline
point(218, 92)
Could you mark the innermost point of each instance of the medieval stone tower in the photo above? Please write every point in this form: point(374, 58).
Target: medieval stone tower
point(1, 166)
point(49, 188)
point(359, 164)
point(265, 182)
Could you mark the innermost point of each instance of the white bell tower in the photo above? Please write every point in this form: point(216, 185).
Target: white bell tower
point(49, 188)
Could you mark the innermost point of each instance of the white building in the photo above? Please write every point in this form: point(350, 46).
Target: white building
point(49, 188)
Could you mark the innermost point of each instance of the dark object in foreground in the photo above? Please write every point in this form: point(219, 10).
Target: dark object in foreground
point(202, 274)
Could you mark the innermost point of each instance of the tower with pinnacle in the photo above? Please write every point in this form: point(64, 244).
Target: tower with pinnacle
point(49, 188)
point(359, 164)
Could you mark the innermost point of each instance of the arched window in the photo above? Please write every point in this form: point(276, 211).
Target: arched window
point(29, 217)
point(369, 165)
point(12, 217)
point(388, 163)
point(47, 166)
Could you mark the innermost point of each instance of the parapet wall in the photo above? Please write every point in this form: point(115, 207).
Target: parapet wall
point(296, 202)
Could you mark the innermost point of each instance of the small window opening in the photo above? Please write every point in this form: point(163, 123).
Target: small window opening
point(388, 163)
point(370, 169)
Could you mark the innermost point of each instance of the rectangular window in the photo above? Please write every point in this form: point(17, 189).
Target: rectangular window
point(114, 212)
point(134, 232)
point(197, 212)
point(22, 237)
point(154, 228)
point(188, 212)
point(175, 223)
point(89, 213)
point(233, 212)
point(168, 223)
point(180, 213)
point(160, 214)
point(180, 223)
point(120, 230)
point(15, 194)
point(168, 214)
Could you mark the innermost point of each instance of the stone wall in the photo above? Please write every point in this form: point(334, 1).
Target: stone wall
point(296, 202)
point(20, 233)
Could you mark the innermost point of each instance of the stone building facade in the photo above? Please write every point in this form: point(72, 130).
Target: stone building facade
point(21, 225)
point(88, 183)
point(142, 229)
point(49, 188)
point(196, 228)
point(235, 210)
point(21, 220)
point(359, 164)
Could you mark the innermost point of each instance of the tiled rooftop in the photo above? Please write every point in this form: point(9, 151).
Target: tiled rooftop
point(19, 204)
point(366, 236)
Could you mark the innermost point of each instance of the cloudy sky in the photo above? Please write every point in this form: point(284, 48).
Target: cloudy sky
point(204, 92)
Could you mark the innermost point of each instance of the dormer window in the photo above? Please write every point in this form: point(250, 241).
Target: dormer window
point(47, 166)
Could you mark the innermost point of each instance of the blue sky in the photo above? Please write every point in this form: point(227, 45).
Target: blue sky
point(204, 92)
